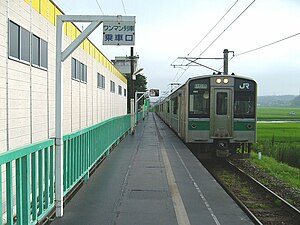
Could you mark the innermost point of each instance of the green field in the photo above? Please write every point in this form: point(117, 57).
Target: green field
point(281, 139)
point(279, 132)
point(277, 113)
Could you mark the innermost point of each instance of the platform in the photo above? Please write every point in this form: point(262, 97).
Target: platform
point(151, 178)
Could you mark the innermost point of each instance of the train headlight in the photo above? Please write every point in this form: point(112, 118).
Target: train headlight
point(218, 80)
point(226, 80)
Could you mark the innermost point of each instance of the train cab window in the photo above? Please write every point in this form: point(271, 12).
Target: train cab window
point(199, 98)
point(244, 105)
point(244, 98)
point(222, 103)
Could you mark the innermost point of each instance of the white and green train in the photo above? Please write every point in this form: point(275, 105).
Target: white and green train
point(213, 114)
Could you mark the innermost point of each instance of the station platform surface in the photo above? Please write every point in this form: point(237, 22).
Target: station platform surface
point(151, 178)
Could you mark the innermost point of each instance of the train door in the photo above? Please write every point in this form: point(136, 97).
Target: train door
point(221, 113)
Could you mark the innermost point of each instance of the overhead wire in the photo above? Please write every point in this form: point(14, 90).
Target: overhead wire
point(124, 7)
point(227, 28)
point(267, 45)
point(212, 28)
point(100, 7)
point(221, 32)
point(261, 47)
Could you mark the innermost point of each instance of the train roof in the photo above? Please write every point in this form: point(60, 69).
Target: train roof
point(214, 75)
point(208, 76)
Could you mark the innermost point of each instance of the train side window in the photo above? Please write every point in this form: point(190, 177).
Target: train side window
point(168, 107)
point(222, 103)
point(175, 106)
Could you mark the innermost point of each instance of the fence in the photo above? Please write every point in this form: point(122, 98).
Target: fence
point(27, 174)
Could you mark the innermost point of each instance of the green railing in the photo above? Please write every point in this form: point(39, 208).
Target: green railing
point(29, 178)
point(84, 148)
point(29, 171)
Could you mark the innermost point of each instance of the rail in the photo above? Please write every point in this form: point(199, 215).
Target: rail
point(27, 173)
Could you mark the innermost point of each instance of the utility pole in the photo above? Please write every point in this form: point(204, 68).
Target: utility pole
point(225, 61)
point(131, 72)
point(132, 90)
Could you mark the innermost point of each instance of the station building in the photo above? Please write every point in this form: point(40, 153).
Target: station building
point(94, 89)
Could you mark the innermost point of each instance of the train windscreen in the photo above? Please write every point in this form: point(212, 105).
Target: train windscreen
point(244, 98)
point(199, 98)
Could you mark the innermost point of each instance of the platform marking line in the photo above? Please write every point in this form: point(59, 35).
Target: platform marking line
point(180, 211)
point(198, 189)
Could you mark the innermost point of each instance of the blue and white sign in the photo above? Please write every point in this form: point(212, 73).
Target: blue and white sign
point(118, 33)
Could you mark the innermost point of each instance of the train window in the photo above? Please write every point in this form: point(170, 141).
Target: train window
point(199, 98)
point(222, 103)
point(168, 107)
point(175, 105)
point(244, 98)
point(244, 104)
point(199, 104)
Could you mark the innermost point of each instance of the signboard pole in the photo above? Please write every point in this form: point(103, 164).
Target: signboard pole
point(95, 21)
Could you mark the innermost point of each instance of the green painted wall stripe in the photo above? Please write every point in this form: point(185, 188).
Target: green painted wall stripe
point(199, 125)
point(244, 126)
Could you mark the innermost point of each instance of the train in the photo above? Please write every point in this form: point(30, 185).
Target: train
point(215, 115)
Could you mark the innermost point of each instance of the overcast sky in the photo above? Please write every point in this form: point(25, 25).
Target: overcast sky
point(167, 29)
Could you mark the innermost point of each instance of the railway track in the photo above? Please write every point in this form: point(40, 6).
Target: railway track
point(261, 204)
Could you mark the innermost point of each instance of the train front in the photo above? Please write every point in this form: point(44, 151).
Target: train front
point(222, 114)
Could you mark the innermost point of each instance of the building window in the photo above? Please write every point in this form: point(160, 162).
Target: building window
point(120, 90)
point(25, 47)
point(44, 53)
point(35, 49)
point(125, 92)
point(100, 81)
point(112, 87)
point(19, 46)
point(78, 70)
point(73, 68)
point(14, 40)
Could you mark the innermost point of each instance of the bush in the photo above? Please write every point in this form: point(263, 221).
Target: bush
point(286, 152)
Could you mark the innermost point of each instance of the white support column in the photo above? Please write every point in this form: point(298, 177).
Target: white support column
point(132, 115)
point(58, 124)
point(95, 21)
point(135, 109)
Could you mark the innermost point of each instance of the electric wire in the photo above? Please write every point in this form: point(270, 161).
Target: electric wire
point(212, 28)
point(221, 34)
point(261, 47)
point(124, 7)
point(227, 28)
point(100, 7)
point(267, 45)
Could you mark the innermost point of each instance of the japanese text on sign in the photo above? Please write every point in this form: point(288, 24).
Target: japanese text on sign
point(118, 33)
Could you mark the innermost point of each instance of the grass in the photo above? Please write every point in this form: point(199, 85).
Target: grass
point(279, 140)
point(283, 172)
point(278, 132)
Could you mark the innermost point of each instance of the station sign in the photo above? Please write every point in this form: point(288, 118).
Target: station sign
point(119, 33)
